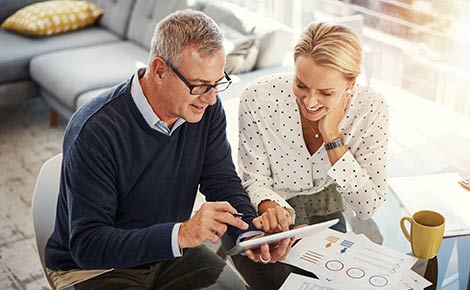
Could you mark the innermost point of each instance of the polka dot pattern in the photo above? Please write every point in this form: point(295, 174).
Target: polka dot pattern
point(275, 163)
point(52, 17)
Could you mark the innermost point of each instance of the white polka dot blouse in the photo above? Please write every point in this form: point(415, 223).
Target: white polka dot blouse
point(274, 161)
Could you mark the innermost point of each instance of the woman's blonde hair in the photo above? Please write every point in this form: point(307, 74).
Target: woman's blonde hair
point(332, 45)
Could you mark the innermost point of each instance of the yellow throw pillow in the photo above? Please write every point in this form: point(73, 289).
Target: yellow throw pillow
point(52, 17)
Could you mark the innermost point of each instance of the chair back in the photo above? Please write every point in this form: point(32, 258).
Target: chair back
point(46, 193)
point(44, 204)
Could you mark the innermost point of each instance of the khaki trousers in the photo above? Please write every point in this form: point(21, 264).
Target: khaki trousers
point(64, 279)
point(198, 268)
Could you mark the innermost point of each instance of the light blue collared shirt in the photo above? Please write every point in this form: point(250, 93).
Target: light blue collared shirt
point(146, 110)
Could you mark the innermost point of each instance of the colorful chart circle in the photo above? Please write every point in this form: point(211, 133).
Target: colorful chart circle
point(378, 281)
point(355, 273)
point(334, 265)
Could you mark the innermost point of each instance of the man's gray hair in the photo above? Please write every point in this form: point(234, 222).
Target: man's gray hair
point(180, 29)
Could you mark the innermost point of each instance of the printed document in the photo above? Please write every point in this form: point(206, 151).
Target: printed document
point(351, 261)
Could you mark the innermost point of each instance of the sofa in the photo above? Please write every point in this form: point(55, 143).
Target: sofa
point(69, 69)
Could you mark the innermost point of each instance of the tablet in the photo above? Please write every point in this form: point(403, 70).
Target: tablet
point(270, 239)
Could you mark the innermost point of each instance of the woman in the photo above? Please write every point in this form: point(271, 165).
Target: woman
point(312, 140)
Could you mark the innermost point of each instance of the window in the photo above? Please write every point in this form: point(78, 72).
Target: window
point(417, 45)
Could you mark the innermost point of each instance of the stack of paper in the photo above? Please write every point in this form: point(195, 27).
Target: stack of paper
point(299, 282)
point(350, 261)
point(438, 192)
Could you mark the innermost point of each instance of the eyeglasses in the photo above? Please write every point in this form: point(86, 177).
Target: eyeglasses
point(202, 89)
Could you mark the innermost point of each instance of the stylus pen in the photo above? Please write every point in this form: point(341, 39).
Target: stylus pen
point(237, 214)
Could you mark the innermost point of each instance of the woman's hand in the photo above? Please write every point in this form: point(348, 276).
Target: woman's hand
point(273, 217)
point(270, 253)
point(328, 125)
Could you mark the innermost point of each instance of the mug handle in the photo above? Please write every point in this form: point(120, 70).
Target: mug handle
point(403, 228)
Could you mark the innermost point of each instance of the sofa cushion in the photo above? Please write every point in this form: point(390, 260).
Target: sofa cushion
point(146, 14)
point(67, 74)
point(16, 50)
point(88, 96)
point(116, 15)
point(52, 17)
point(275, 38)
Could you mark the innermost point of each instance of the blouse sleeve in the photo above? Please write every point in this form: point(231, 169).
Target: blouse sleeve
point(253, 161)
point(361, 177)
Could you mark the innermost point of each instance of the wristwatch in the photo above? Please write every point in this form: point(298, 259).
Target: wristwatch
point(338, 142)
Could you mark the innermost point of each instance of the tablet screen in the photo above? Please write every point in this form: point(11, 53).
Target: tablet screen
point(273, 238)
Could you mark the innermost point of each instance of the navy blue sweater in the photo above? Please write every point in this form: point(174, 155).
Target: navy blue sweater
point(124, 185)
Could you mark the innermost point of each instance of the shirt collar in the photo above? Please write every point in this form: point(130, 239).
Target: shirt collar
point(146, 110)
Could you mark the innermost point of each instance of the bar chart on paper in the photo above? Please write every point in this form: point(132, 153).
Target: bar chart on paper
point(347, 259)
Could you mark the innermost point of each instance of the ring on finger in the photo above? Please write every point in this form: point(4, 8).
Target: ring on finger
point(263, 260)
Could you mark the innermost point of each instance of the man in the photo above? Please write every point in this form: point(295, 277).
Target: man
point(133, 159)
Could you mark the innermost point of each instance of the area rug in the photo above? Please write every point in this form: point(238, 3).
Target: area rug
point(26, 142)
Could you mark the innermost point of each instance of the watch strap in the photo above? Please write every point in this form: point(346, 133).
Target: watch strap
point(338, 142)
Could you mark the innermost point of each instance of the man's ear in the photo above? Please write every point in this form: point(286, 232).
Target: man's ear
point(158, 67)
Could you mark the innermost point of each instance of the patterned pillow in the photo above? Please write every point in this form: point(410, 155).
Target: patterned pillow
point(242, 58)
point(241, 50)
point(52, 17)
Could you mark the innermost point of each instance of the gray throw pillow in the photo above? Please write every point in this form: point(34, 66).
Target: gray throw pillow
point(241, 50)
point(242, 58)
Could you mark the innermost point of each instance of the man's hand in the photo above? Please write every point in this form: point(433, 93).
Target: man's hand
point(209, 223)
point(273, 217)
